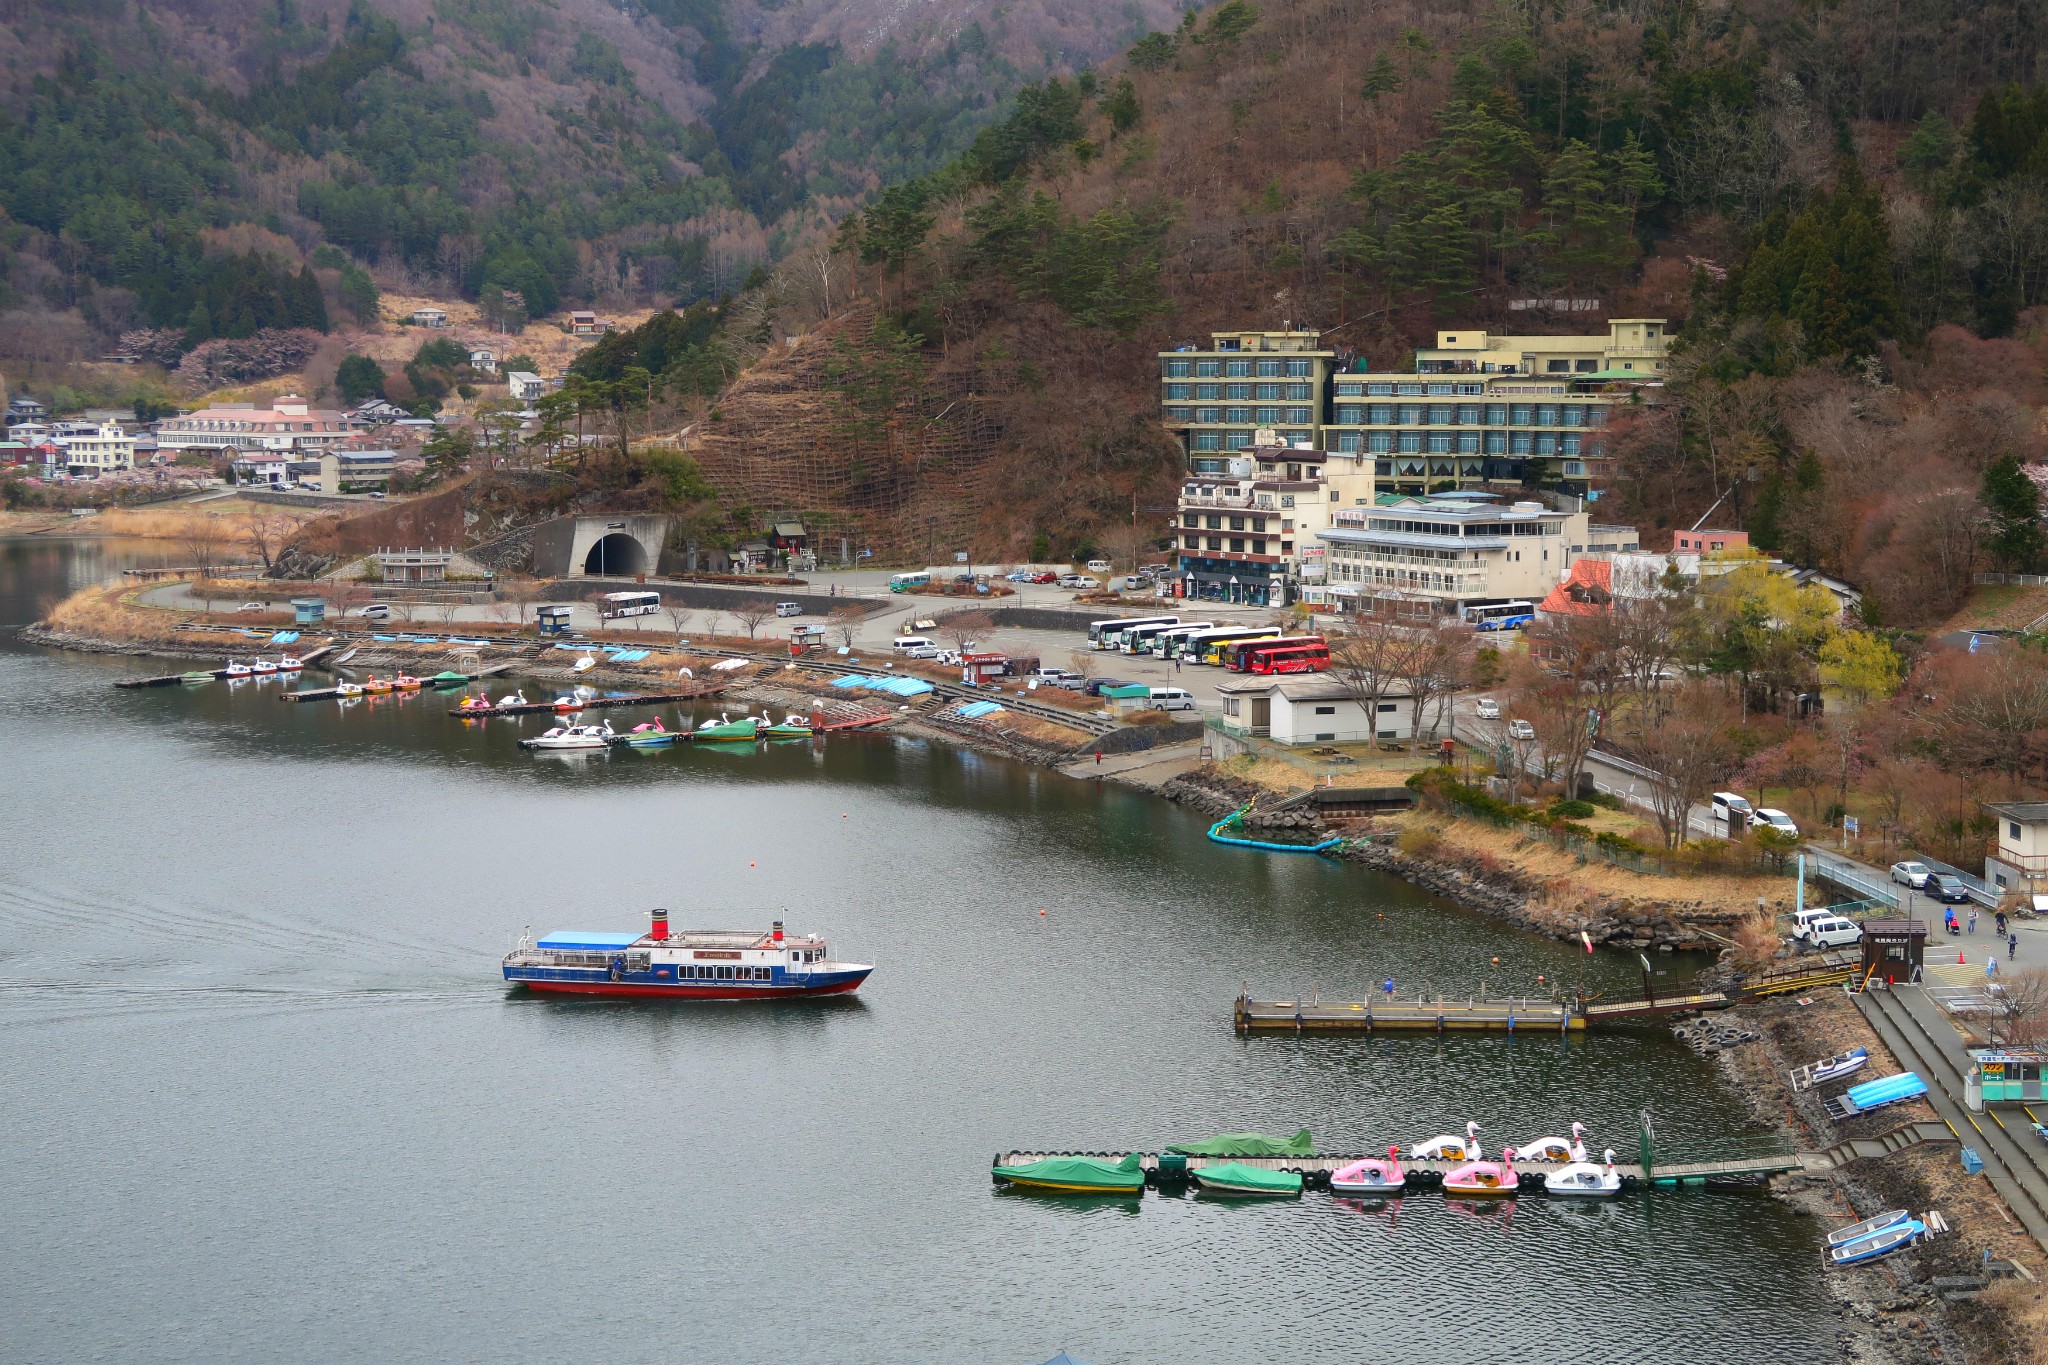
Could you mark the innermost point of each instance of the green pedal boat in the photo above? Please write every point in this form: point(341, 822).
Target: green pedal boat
point(715, 730)
point(1234, 1178)
point(1080, 1175)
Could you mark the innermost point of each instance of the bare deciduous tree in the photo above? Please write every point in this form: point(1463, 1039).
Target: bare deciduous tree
point(845, 625)
point(679, 617)
point(1433, 670)
point(265, 531)
point(1689, 746)
point(2019, 1008)
point(201, 544)
point(1370, 660)
point(964, 630)
point(753, 614)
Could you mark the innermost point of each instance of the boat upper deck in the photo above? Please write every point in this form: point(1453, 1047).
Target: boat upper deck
point(701, 940)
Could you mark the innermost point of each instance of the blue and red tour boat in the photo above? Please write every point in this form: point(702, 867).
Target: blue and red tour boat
point(694, 964)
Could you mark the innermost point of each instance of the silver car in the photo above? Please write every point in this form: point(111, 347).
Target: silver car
point(1912, 874)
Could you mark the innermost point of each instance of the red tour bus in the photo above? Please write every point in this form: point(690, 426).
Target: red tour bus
point(1297, 658)
point(1237, 655)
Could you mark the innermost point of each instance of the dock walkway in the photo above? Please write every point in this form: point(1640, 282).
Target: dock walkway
point(1443, 1016)
point(1424, 1173)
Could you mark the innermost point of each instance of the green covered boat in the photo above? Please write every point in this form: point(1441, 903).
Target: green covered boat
point(448, 677)
point(1235, 1178)
point(1077, 1175)
point(1249, 1144)
point(787, 732)
point(725, 730)
point(196, 678)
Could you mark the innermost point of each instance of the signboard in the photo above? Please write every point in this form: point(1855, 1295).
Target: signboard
point(959, 556)
point(1266, 436)
point(1851, 826)
point(722, 956)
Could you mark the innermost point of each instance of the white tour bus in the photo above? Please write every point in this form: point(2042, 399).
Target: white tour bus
point(1108, 634)
point(1167, 641)
point(617, 604)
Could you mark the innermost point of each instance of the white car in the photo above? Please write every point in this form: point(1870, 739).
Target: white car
point(1521, 729)
point(1098, 566)
point(1911, 874)
point(376, 611)
point(1486, 708)
point(1777, 820)
point(1077, 580)
point(1831, 932)
point(254, 606)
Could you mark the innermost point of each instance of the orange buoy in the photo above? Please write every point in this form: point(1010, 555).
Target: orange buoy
point(1041, 914)
point(750, 862)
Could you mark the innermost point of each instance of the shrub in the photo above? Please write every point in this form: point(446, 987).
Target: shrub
point(1605, 800)
point(1615, 843)
point(1573, 810)
point(1418, 841)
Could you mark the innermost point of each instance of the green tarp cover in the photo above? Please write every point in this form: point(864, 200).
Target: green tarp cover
point(1079, 1170)
point(1249, 1178)
point(1249, 1144)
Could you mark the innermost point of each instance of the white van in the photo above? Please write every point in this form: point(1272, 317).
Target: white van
point(1729, 801)
point(789, 609)
point(1777, 820)
point(908, 646)
point(1809, 916)
point(1173, 699)
point(1832, 931)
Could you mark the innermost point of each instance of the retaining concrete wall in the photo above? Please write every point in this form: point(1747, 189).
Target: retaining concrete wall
point(713, 597)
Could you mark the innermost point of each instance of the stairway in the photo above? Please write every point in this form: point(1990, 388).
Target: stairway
point(1924, 1042)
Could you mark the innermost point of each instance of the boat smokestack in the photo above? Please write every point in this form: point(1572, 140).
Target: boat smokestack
point(778, 931)
point(660, 930)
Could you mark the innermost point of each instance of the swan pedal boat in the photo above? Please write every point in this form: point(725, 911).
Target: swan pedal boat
point(377, 685)
point(1076, 1175)
point(1486, 1179)
point(237, 669)
point(1449, 1147)
point(512, 699)
point(262, 666)
point(1237, 1179)
point(744, 728)
point(650, 735)
point(1556, 1148)
point(564, 705)
point(1583, 1178)
point(347, 689)
point(476, 705)
point(290, 663)
point(571, 737)
point(406, 682)
point(1372, 1175)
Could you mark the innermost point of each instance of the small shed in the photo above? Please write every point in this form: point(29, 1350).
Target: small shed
point(309, 611)
point(978, 667)
point(413, 566)
point(2007, 1075)
point(554, 620)
point(1893, 949)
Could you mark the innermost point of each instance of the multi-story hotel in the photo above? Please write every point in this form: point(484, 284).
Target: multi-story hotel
point(1219, 400)
point(288, 425)
point(1247, 533)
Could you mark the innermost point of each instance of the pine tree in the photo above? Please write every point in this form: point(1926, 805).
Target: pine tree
point(1121, 107)
point(2014, 503)
point(1381, 78)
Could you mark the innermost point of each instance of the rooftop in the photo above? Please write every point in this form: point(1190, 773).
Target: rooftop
point(2026, 812)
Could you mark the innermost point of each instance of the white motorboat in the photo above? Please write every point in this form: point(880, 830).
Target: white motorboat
point(1829, 1069)
point(571, 737)
point(512, 699)
point(1583, 1178)
point(1448, 1146)
point(1556, 1148)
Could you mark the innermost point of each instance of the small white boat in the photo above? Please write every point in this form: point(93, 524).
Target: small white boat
point(237, 669)
point(571, 737)
point(583, 665)
point(1373, 1175)
point(1448, 1147)
point(1583, 1178)
point(512, 699)
point(347, 690)
point(262, 666)
point(290, 664)
point(1858, 1231)
point(1556, 1148)
point(1829, 1069)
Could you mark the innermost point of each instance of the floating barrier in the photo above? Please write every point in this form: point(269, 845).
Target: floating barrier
point(1236, 817)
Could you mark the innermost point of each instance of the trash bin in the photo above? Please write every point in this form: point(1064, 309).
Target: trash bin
point(1972, 1163)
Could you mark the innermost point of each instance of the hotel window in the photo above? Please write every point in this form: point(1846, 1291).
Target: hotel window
point(1237, 523)
point(1409, 414)
point(1520, 415)
point(1379, 390)
point(1558, 366)
point(1208, 414)
point(1380, 414)
point(1496, 443)
point(1300, 369)
point(1546, 415)
point(1351, 390)
point(1442, 414)
point(1300, 392)
point(1596, 417)
point(1239, 415)
point(1208, 440)
point(1237, 545)
point(1411, 442)
point(1238, 369)
point(1237, 440)
point(1237, 391)
point(1271, 369)
point(1546, 444)
point(1439, 443)
point(1379, 442)
point(1297, 415)
point(1208, 391)
point(1348, 442)
point(1468, 443)
point(1258, 547)
point(1215, 522)
point(1519, 443)
point(1215, 542)
point(1573, 416)
point(1268, 416)
point(1408, 390)
point(1348, 416)
point(1568, 444)
point(1208, 369)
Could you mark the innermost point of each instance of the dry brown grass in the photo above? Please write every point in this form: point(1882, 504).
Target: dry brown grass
point(2024, 1307)
point(1756, 940)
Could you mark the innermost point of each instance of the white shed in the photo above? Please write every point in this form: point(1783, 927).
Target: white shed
point(1311, 709)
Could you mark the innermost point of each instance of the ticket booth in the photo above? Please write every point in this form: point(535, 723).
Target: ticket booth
point(2004, 1076)
point(1893, 949)
point(309, 611)
point(554, 620)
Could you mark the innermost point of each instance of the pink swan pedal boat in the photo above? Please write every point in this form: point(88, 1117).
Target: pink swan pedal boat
point(1372, 1175)
point(1485, 1179)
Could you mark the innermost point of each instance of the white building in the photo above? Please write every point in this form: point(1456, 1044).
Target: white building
point(1452, 550)
point(262, 469)
point(288, 425)
point(1311, 708)
point(483, 360)
point(526, 386)
point(94, 448)
point(1245, 531)
point(429, 317)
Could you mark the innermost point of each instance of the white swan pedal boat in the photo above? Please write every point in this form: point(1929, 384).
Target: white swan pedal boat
point(571, 737)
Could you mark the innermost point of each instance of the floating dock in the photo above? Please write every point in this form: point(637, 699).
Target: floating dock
point(534, 708)
point(174, 679)
point(1444, 1016)
point(426, 685)
point(1423, 1174)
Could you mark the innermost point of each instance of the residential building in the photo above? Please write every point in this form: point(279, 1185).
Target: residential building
point(1312, 708)
point(262, 469)
point(1248, 533)
point(1709, 542)
point(483, 360)
point(588, 324)
point(1245, 384)
point(429, 317)
point(376, 412)
point(94, 448)
point(525, 386)
point(1450, 552)
point(1486, 409)
point(2018, 857)
point(22, 408)
point(288, 424)
point(413, 566)
point(357, 471)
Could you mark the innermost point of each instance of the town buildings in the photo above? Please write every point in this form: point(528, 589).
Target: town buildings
point(588, 324)
point(1219, 400)
point(1248, 533)
point(91, 449)
point(1313, 708)
point(429, 317)
point(287, 425)
point(525, 386)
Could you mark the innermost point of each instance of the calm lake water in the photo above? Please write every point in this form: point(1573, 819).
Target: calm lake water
point(267, 1098)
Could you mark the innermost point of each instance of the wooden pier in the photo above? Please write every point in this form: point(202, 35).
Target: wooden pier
point(531, 708)
point(174, 679)
point(1446, 1016)
point(1424, 1174)
point(426, 685)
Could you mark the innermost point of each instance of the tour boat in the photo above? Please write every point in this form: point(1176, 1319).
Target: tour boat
point(1871, 1245)
point(1584, 1178)
point(1370, 1176)
point(262, 666)
point(238, 669)
point(743, 728)
point(1076, 1175)
point(347, 689)
point(1857, 1231)
point(650, 734)
point(1449, 1147)
point(1485, 1179)
point(290, 663)
point(1556, 1149)
point(571, 737)
point(512, 699)
point(1237, 1179)
point(696, 964)
point(406, 682)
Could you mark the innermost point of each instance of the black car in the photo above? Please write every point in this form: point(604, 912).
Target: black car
point(1096, 686)
point(1944, 887)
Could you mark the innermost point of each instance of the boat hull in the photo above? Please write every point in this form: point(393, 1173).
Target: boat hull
point(1053, 1187)
point(837, 983)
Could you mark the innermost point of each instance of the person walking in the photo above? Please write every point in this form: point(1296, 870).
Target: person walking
point(2012, 946)
point(2000, 922)
point(1973, 921)
point(1388, 987)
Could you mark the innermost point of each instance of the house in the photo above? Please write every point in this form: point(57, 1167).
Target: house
point(357, 471)
point(376, 413)
point(287, 425)
point(1312, 708)
point(483, 360)
point(1709, 542)
point(262, 469)
point(2018, 857)
point(1587, 590)
point(91, 449)
point(429, 317)
point(587, 324)
point(22, 408)
point(525, 385)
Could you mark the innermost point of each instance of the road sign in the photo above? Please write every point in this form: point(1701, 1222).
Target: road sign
point(1850, 826)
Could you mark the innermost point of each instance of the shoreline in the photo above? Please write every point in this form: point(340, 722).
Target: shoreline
point(1884, 1319)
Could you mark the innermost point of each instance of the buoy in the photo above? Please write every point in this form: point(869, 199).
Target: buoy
point(1496, 962)
point(1041, 914)
point(750, 862)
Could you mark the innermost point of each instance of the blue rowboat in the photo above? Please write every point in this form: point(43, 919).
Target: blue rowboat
point(1883, 1242)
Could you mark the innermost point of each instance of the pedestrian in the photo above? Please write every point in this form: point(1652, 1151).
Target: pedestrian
point(1098, 758)
point(2012, 946)
point(1973, 921)
point(1948, 921)
point(1388, 987)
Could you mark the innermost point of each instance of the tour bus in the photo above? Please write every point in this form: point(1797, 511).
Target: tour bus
point(1143, 639)
point(904, 582)
point(1206, 647)
point(1107, 634)
point(1500, 615)
point(1291, 658)
point(1166, 641)
point(617, 604)
point(1237, 655)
